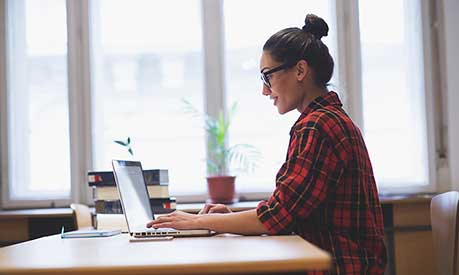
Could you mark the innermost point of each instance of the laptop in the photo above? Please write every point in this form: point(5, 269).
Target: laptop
point(135, 202)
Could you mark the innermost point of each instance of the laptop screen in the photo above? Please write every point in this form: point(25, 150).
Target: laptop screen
point(133, 193)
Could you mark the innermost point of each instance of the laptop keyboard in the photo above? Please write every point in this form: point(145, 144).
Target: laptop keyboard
point(155, 232)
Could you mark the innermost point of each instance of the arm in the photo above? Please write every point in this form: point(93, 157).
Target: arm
point(302, 183)
point(244, 222)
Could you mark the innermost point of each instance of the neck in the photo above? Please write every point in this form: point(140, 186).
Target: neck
point(311, 93)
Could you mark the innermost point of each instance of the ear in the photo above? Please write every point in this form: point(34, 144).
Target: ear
point(302, 70)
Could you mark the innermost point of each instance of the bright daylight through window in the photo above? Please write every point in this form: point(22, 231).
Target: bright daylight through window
point(39, 154)
point(394, 108)
point(257, 121)
point(142, 71)
point(147, 56)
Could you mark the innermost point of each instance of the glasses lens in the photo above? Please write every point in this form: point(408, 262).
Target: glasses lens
point(265, 80)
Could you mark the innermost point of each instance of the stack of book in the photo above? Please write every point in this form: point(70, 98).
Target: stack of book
point(109, 212)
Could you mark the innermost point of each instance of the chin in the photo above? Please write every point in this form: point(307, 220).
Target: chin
point(283, 110)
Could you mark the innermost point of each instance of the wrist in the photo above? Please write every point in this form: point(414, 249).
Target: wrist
point(201, 222)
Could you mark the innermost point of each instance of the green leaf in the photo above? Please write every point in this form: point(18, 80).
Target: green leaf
point(122, 143)
point(221, 129)
point(190, 109)
point(212, 168)
point(220, 158)
point(243, 157)
point(232, 111)
point(130, 151)
point(128, 140)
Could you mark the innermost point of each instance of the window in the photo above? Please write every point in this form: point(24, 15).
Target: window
point(38, 121)
point(393, 92)
point(256, 121)
point(126, 66)
point(144, 65)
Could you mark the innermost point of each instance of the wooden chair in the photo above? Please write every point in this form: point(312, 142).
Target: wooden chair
point(444, 220)
point(81, 216)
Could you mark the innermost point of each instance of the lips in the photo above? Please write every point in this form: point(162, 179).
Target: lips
point(275, 100)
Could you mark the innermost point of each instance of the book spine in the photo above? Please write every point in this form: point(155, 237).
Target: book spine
point(158, 206)
point(106, 178)
point(111, 192)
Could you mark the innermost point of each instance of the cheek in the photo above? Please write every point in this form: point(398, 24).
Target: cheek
point(288, 95)
point(286, 90)
point(289, 99)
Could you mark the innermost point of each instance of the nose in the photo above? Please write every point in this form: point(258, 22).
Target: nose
point(266, 90)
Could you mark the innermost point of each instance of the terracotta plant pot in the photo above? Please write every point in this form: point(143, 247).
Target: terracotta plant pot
point(221, 189)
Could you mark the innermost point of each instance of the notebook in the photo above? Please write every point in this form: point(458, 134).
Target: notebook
point(136, 204)
point(89, 233)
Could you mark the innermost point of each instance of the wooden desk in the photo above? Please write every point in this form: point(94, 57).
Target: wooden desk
point(221, 254)
point(23, 225)
point(406, 222)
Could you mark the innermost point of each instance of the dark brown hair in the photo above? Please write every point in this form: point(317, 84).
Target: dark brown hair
point(291, 45)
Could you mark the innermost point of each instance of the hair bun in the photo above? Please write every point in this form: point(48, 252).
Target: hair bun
point(316, 26)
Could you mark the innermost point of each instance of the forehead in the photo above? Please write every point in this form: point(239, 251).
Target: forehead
point(266, 60)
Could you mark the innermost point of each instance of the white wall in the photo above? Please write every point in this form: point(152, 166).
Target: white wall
point(451, 63)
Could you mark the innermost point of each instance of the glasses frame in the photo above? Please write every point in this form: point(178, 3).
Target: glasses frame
point(265, 75)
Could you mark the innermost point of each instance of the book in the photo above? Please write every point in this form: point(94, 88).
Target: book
point(89, 233)
point(158, 206)
point(106, 178)
point(111, 192)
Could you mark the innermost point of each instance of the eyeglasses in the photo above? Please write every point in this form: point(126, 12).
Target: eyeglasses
point(265, 76)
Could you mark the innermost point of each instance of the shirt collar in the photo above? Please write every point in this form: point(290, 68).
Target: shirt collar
point(329, 99)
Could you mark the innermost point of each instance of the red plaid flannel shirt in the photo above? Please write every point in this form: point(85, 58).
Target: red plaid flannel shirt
point(326, 191)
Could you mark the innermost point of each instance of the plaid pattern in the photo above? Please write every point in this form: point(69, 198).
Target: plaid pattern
point(326, 191)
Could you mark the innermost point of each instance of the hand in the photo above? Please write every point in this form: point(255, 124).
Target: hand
point(214, 208)
point(177, 220)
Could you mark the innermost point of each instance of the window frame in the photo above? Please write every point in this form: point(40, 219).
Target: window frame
point(6, 201)
point(348, 69)
point(448, 42)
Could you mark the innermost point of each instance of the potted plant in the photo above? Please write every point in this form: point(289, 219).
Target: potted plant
point(223, 161)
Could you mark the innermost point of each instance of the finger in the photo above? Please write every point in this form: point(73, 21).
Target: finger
point(217, 209)
point(159, 220)
point(162, 223)
point(153, 223)
point(165, 225)
point(220, 208)
point(203, 210)
point(213, 210)
point(173, 223)
point(206, 208)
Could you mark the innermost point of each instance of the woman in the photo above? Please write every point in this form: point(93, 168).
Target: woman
point(325, 190)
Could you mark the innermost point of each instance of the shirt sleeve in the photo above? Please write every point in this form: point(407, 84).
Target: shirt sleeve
point(302, 182)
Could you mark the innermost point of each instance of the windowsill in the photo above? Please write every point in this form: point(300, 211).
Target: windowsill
point(66, 212)
point(36, 213)
point(195, 207)
point(405, 197)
